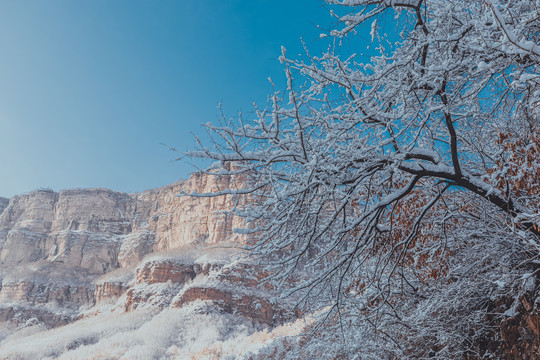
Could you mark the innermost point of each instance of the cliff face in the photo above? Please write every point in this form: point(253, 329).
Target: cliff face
point(100, 230)
point(55, 245)
point(77, 256)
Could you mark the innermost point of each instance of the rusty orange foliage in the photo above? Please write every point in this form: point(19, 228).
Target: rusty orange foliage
point(522, 166)
point(518, 173)
point(428, 265)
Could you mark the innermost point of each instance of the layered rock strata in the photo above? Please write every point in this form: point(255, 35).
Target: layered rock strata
point(63, 254)
point(100, 230)
point(55, 246)
point(181, 281)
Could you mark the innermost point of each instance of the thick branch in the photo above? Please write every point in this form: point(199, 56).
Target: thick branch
point(466, 181)
point(451, 129)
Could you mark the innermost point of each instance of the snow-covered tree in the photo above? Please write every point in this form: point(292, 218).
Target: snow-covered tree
point(378, 180)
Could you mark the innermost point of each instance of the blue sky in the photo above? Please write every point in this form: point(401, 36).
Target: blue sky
point(89, 89)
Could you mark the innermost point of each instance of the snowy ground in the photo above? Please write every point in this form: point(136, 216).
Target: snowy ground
point(195, 331)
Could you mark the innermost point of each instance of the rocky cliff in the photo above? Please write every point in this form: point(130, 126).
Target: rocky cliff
point(100, 230)
point(75, 254)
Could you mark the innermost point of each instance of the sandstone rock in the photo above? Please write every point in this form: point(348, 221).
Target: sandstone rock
point(163, 271)
point(109, 290)
point(95, 210)
point(252, 307)
point(154, 296)
point(159, 278)
point(46, 293)
point(236, 294)
point(23, 314)
point(58, 226)
point(180, 221)
point(101, 230)
point(45, 283)
point(57, 250)
point(135, 246)
point(33, 211)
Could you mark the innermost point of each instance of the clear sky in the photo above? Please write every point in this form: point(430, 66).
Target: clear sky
point(90, 88)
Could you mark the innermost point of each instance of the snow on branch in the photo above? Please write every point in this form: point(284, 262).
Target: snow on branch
point(361, 175)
